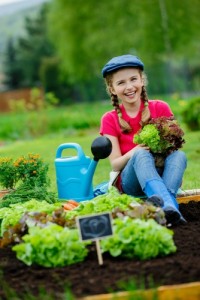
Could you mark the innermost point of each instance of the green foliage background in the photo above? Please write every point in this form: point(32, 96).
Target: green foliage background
point(64, 46)
point(164, 33)
point(46, 143)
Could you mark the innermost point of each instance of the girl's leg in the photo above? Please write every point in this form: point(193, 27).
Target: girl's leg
point(129, 180)
point(139, 169)
point(174, 168)
point(150, 181)
point(132, 186)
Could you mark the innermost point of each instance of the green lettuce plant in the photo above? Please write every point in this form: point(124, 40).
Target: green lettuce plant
point(52, 246)
point(162, 135)
point(138, 238)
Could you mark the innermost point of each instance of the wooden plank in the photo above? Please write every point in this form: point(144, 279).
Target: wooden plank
point(188, 291)
point(189, 192)
point(188, 195)
point(186, 199)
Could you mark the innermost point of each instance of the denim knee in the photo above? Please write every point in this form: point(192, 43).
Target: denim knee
point(175, 165)
point(177, 158)
point(140, 155)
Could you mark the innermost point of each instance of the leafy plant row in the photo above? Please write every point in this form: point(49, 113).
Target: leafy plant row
point(47, 235)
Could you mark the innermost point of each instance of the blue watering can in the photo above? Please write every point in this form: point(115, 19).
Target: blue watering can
point(74, 174)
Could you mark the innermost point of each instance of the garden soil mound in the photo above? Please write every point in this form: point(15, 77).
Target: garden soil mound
point(90, 278)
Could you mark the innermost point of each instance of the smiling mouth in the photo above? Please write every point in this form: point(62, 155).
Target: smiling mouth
point(130, 94)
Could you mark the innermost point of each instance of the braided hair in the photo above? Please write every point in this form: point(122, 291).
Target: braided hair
point(115, 102)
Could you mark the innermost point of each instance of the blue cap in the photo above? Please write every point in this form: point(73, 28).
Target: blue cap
point(122, 61)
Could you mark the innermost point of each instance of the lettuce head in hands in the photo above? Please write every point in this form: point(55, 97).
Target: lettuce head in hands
point(162, 135)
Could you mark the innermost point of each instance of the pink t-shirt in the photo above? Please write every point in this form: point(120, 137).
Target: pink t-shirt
point(110, 123)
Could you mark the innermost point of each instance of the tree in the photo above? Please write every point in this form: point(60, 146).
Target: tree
point(34, 47)
point(26, 57)
point(12, 70)
point(87, 33)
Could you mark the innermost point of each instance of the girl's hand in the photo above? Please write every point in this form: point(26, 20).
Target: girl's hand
point(143, 146)
point(140, 146)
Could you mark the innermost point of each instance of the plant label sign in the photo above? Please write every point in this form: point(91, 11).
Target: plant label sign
point(94, 228)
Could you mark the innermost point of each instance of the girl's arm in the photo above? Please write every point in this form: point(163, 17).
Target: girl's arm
point(117, 160)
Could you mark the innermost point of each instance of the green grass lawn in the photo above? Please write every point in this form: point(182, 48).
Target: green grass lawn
point(47, 145)
point(43, 131)
point(192, 150)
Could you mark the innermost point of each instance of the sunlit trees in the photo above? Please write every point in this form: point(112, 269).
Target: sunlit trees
point(67, 44)
point(164, 33)
point(26, 56)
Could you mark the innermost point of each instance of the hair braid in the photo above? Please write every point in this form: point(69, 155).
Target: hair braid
point(123, 124)
point(146, 115)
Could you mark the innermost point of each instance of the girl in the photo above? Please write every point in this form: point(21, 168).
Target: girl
point(125, 81)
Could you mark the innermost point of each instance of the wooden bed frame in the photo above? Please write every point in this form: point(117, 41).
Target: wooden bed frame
point(188, 195)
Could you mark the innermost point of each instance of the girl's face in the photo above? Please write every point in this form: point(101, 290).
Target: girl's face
point(127, 85)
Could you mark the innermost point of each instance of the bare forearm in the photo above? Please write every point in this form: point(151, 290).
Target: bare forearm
point(120, 162)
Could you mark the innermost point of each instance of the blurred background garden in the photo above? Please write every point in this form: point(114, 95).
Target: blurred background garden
point(51, 56)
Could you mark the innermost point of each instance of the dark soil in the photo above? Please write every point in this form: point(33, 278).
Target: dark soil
point(89, 278)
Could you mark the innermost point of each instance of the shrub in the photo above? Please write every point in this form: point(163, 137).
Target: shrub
point(29, 171)
point(34, 123)
point(8, 175)
point(191, 114)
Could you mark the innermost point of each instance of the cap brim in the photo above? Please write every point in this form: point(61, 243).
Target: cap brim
point(111, 68)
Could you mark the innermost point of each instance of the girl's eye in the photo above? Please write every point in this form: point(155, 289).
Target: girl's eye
point(133, 78)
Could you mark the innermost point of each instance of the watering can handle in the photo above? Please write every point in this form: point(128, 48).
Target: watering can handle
point(70, 146)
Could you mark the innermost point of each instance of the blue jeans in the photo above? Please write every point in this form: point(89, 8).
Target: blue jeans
point(141, 168)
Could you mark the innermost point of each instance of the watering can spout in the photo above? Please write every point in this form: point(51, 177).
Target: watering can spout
point(100, 148)
point(90, 174)
point(75, 174)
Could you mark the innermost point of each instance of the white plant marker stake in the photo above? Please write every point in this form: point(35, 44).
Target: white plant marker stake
point(99, 254)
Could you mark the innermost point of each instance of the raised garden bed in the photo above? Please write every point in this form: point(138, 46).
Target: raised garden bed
point(180, 270)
